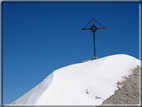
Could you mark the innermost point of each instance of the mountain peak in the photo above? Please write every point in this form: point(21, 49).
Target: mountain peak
point(88, 83)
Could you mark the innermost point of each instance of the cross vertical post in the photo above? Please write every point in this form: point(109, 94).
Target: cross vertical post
point(94, 46)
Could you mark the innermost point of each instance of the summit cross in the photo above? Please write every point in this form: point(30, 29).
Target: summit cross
point(93, 29)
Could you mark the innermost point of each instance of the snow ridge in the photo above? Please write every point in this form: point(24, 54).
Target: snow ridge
point(33, 95)
point(88, 83)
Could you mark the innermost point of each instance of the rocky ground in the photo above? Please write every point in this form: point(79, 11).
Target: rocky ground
point(128, 91)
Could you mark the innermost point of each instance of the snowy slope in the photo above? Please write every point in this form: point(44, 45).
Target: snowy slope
point(33, 95)
point(88, 83)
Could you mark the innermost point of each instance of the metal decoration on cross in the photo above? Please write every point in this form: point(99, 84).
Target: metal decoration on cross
point(93, 29)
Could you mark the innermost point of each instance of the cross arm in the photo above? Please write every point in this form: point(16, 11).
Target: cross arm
point(86, 29)
point(101, 28)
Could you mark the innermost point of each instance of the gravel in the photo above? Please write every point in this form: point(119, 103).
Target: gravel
point(128, 91)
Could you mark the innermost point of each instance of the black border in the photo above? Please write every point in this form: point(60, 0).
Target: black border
point(50, 1)
point(72, 1)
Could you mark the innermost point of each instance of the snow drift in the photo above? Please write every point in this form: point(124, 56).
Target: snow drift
point(88, 83)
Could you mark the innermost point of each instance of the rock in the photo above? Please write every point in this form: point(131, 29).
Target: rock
point(128, 93)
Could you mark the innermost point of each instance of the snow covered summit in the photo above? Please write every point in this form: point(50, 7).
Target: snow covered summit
point(88, 83)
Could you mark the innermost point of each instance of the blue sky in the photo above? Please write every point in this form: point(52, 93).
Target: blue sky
point(39, 38)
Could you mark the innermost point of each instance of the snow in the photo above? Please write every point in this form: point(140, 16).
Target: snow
point(33, 95)
point(88, 83)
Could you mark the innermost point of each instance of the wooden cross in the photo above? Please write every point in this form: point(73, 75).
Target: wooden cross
point(94, 29)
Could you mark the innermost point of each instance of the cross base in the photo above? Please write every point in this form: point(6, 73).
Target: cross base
point(94, 57)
